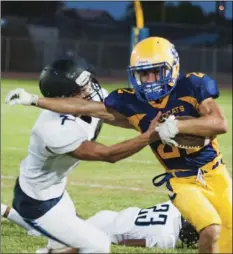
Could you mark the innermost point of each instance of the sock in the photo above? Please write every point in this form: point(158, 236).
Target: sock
point(17, 219)
point(13, 216)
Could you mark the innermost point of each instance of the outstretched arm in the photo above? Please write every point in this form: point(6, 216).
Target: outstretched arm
point(93, 151)
point(77, 106)
point(74, 106)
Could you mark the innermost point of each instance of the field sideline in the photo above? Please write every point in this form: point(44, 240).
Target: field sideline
point(93, 186)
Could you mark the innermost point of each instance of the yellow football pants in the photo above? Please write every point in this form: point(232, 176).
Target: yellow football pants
point(205, 205)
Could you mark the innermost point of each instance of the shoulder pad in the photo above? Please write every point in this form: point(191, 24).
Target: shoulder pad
point(203, 85)
point(118, 98)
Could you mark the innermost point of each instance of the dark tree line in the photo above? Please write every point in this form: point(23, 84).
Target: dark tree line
point(183, 12)
point(30, 8)
point(154, 11)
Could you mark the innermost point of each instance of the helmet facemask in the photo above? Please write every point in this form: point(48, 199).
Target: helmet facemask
point(188, 235)
point(154, 54)
point(92, 91)
point(152, 91)
point(88, 87)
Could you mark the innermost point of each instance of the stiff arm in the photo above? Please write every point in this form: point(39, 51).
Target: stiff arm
point(78, 106)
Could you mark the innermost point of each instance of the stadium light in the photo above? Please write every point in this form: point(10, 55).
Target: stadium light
point(221, 7)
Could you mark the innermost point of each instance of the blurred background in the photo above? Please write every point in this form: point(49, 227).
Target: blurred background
point(36, 32)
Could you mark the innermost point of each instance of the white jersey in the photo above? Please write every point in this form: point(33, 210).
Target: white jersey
point(159, 225)
point(43, 173)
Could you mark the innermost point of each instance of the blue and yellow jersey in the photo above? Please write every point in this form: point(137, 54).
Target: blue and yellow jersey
point(191, 89)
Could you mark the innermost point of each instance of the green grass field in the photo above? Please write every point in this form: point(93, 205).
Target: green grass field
point(93, 185)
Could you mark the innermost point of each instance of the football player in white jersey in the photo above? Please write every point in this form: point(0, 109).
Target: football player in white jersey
point(56, 145)
point(160, 226)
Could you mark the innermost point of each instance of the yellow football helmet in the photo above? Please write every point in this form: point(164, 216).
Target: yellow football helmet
point(154, 54)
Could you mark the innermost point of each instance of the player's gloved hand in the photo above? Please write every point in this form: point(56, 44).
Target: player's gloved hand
point(20, 96)
point(168, 130)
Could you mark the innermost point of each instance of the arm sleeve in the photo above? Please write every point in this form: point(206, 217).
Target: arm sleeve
point(205, 87)
point(66, 138)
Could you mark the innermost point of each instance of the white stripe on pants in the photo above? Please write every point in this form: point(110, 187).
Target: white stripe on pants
point(62, 223)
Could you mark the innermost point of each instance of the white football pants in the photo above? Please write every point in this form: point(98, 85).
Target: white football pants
point(62, 225)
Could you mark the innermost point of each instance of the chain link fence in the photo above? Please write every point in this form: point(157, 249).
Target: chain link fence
point(107, 59)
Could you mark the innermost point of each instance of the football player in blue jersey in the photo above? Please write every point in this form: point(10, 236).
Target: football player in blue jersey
point(198, 182)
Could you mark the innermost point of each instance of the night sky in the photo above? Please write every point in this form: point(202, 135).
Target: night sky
point(117, 9)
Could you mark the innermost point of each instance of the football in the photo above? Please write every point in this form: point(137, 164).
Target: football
point(186, 141)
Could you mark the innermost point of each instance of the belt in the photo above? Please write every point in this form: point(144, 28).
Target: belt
point(168, 176)
point(194, 172)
